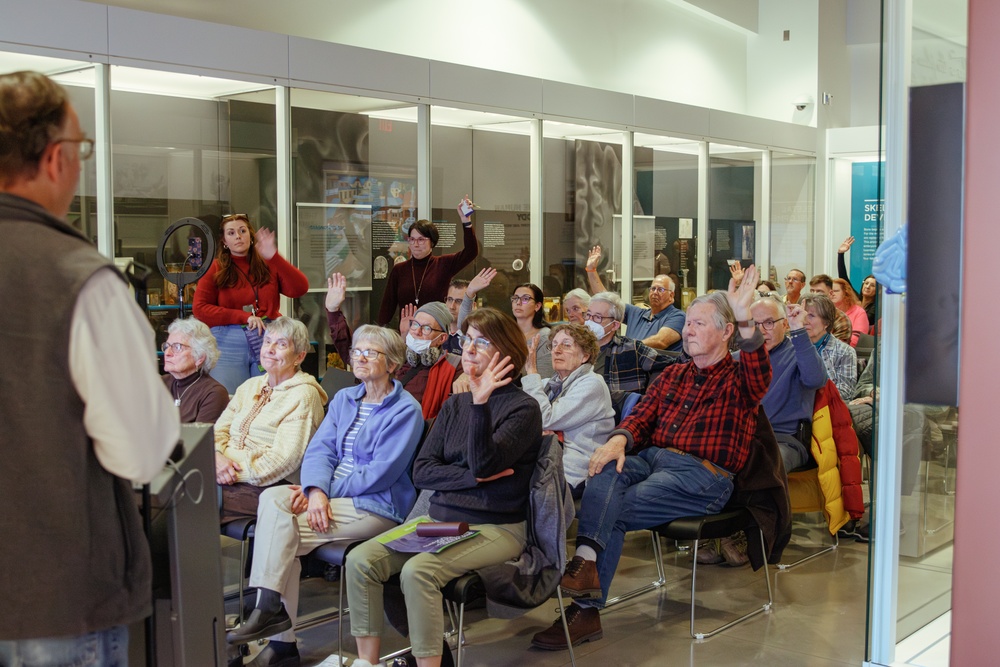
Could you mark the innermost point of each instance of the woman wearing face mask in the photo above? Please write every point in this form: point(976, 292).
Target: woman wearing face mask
point(429, 370)
point(575, 401)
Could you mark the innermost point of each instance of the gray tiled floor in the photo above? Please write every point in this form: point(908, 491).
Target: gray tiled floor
point(818, 616)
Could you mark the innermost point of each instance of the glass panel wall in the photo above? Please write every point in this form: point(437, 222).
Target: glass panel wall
point(665, 220)
point(793, 214)
point(78, 80)
point(186, 147)
point(354, 178)
point(581, 204)
point(734, 188)
point(484, 156)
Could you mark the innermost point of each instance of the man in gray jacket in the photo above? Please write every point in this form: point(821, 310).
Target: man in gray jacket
point(83, 408)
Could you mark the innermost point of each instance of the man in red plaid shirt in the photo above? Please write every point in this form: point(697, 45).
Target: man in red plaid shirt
point(686, 439)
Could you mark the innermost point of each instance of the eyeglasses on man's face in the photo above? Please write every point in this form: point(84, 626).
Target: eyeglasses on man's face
point(452, 300)
point(794, 279)
point(85, 146)
point(521, 299)
point(176, 348)
point(481, 344)
point(768, 324)
point(595, 318)
point(657, 289)
point(369, 354)
point(425, 329)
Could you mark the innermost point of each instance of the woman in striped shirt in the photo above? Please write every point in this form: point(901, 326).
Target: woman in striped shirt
point(355, 484)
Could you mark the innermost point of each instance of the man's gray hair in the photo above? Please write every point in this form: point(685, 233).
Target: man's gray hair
point(203, 345)
point(580, 294)
point(670, 281)
point(723, 313)
point(293, 330)
point(778, 303)
point(389, 341)
point(617, 305)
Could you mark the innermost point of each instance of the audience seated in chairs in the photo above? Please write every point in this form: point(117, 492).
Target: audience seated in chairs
point(478, 458)
point(188, 355)
point(355, 484)
point(626, 364)
point(263, 432)
point(796, 373)
point(575, 401)
point(685, 450)
point(839, 358)
point(428, 370)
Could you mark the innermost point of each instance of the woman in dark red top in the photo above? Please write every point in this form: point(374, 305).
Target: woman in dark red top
point(424, 278)
point(240, 292)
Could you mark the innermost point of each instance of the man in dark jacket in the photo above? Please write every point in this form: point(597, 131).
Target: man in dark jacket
point(83, 409)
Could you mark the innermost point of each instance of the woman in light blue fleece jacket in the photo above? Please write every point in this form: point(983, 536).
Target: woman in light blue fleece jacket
point(355, 484)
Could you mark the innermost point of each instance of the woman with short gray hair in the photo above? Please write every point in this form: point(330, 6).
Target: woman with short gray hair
point(188, 355)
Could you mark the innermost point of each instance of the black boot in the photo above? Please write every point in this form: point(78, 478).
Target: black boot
point(261, 624)
point(277, 654)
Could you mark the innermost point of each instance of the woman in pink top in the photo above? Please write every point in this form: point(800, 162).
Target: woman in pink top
point(240, 293)
point(843, 298)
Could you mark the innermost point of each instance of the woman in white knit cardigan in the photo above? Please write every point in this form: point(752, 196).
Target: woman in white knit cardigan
point(262, 435)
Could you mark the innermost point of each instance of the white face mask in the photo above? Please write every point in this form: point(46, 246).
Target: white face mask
point(418, 345)
point(595, 328)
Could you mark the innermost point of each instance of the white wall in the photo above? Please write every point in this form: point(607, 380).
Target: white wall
point(779, 72)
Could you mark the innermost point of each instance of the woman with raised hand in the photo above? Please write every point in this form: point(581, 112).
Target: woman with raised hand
point(478, 459)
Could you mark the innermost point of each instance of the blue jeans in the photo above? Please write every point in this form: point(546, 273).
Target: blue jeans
point(107, 648)
point(654, 487)
point(236, 363)
point(793, 453)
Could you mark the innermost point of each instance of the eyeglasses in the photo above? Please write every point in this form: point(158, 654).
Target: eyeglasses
point(280, 343)
point(417, 240)
point(595, 318)
point(176, 347)
point(794, 279)
point(481, 344)
point(85, 149)
point(425, 329)
point(565, 346)
point(452, 299)
point(521, 299)
point(658, 290)
point(767, 325)
point(369, 354)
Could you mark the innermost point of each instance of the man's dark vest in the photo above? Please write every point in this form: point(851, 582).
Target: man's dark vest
point(73, 558)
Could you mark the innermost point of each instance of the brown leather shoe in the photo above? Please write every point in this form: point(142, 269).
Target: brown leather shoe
point(580, 580)
point(584, 626)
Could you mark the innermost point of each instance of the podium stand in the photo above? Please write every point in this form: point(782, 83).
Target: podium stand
point(188, 617)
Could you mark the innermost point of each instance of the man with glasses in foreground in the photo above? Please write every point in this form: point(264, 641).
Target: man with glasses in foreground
point(76, 428)
point(658, 326)
point(797, 371)
point(626, 364)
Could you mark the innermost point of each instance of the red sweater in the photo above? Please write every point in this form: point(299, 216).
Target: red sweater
point(432, 276)
point(219, 307)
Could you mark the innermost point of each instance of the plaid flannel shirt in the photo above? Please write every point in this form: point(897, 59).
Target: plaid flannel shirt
point(841, 363)
point(710, 413)
point(629, 364)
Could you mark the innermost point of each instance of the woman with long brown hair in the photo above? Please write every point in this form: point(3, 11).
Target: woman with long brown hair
point(240, 293)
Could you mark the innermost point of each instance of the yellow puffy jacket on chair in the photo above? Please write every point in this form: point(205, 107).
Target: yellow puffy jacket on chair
point(834, 485)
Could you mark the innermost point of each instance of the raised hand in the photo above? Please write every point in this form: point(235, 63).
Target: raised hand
point(267, 245)
point(530, 366)
point(736, 271)
point(594, 258)
point(465, 218)
point(741, 296)
point(336, 291)
point(796, 316)
point(461, 384)
point(846, 245)
point(495, 376)
point(405, 315)
point(481, 281)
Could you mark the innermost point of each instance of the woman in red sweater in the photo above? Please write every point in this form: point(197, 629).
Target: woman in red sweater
point(240, 292)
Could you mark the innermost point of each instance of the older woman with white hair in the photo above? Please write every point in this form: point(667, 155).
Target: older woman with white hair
point(355, 485)
point(188, 355)
point(263, 433)
point(575, 304)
